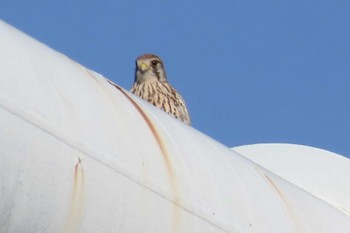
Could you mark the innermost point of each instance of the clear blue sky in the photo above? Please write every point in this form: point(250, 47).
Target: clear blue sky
point(250, 71)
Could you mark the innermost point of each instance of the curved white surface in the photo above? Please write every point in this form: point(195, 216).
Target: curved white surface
point(78, 154)
point(319, 172)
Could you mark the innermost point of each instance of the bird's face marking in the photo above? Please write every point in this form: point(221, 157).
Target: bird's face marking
point(151, 85)
point(149, 68)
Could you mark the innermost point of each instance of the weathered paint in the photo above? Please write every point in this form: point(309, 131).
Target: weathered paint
point(284, 203)
point(193, 183)
point(157, 136)
point(76, 206)
point(167, 160)
point(321, 173)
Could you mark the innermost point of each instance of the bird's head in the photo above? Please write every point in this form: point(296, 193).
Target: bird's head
point(149, 68)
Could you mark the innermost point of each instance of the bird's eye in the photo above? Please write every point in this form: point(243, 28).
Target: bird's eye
point(154, 62)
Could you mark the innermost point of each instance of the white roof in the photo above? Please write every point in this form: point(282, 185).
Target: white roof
point(79, 154)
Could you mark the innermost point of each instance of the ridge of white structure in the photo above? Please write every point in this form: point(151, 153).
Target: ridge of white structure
point(320, 172)
point(80, 154)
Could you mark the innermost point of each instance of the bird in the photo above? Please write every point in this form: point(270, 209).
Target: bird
point(151, 84)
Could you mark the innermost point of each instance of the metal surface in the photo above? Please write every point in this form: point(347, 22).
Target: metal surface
point(80, 154)
point(324, 174)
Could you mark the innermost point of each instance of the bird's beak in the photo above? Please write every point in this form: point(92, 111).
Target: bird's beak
point(143, 67)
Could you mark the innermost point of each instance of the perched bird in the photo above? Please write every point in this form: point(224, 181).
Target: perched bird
point(151, 84)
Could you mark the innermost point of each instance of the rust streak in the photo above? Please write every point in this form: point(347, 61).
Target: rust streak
point(280, 194)
point(154, 132)
point(176, 223)
point(75, 210)
point(288, 209)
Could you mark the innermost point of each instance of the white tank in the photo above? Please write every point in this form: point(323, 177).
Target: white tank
point(80, 154)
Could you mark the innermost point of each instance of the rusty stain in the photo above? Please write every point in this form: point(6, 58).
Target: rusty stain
point(276, 189)
point(75, 211)
point(155, 133)
point(176, 223)
point(288, 209)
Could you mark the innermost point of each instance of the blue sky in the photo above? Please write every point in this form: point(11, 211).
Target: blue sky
point(250, 71)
